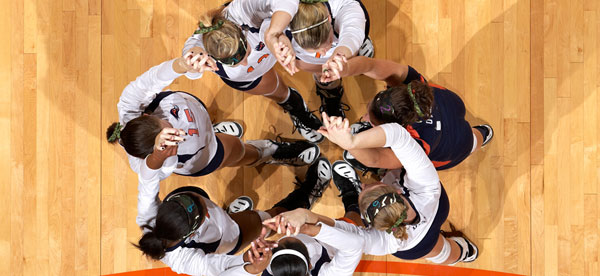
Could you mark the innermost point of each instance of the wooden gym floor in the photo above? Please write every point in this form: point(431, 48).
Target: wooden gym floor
point(530, 68)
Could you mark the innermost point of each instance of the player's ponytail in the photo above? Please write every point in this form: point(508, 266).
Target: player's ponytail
point(113, 133)
point(310, 26)
point(403, 104)
point(388, 217)
point(171, 225)
point(220, 36)
point(137, 136)
point(152, 246)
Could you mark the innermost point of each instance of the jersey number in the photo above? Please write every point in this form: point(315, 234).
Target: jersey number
point(190, 118)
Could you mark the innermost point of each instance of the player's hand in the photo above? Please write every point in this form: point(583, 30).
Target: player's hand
point(196, 60)
point(334, 68)
point(259, 255)
point(284, 52)
point(337, 130)
point(168, 137)
point(289, 222)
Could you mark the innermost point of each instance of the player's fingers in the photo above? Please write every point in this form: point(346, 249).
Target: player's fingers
point(325, 119)
point(170, 143)
point(195, 58)
point(288, 232)
point(338, 61)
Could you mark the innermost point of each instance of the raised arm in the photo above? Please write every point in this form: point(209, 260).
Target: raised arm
point(150, 172)
point(293, 222)
point(194, 261)
point(379, 69)
point(420, 171)
point(350, 21)
point(337, 130)
point(140, 92)
point(349, 249)
point(377, 242)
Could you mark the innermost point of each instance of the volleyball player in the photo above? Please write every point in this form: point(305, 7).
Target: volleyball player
point(233, 37)
point(192, 235)
point(434, 115)
point(407, 209)
point(151, 120)
point(324, 32)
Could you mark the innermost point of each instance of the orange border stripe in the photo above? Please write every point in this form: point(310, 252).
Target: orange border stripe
point(366, 266)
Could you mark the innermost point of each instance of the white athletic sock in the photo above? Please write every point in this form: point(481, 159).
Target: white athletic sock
point(474, 142)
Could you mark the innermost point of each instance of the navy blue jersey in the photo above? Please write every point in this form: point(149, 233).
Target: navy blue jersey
point(446, 134)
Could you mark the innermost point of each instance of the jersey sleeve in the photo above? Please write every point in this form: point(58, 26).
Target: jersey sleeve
point(420, 172)
point(413, 75)
point(349, 249)
point(252, 12)
point(148, 188)
point(350, 21)
point(148, 201)
point(194, 261)
point(376, 242)
point(140, 92)
point(237, 270)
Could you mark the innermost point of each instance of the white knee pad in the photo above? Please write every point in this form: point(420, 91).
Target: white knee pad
point(444, 254)
point(276, 87)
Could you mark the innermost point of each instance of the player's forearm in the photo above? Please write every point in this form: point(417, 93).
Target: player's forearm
point(279, 23)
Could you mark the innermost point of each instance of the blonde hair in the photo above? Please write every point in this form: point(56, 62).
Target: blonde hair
point(388, 215)
point(224, 41)
point(310, 14)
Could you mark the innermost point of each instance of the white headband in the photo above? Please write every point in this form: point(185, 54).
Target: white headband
point(287, 252)
point(310, 27)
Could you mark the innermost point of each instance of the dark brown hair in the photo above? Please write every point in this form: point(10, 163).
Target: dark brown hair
point(290, 265)
point(394, 105)
point(171, 224)
point(137, 137)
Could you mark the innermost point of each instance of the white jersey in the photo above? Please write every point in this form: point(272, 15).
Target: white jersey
point(348, 20)
point(332, 252)
point(250, 16)
point(181, 110)
point(420, 185)
point(218, 231)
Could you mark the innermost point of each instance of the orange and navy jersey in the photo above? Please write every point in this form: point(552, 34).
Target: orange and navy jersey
point(446, 134)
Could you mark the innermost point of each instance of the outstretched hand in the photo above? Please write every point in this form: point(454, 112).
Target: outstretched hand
point(334, 68)
point(337, 130)
point(196, 60)
point(284, 52)
point(259, 255)
point(290, 222)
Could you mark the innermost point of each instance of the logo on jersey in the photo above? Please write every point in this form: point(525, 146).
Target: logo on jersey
point(260, 46)
point(318, 55)
point(260, 59)
point(175, 112)
point(250, 69)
